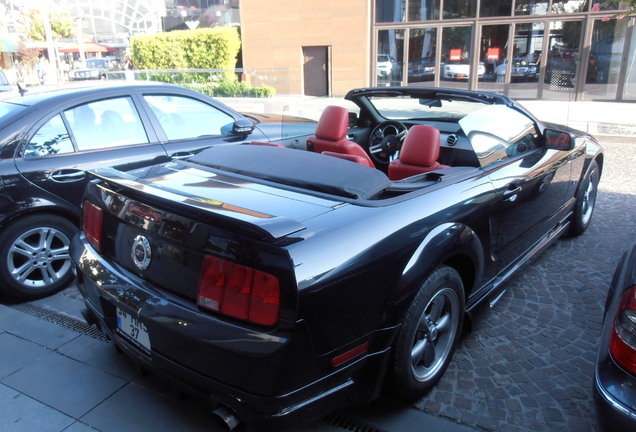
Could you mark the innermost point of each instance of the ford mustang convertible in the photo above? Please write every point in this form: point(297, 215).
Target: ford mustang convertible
point(281, 282)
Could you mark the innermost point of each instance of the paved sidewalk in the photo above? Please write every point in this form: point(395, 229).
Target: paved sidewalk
point(58, 374)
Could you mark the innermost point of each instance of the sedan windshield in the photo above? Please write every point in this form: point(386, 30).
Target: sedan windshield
point(408, 108)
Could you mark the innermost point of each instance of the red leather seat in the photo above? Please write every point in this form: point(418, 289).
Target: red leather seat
point(349, 157)
point(331, 135)
point(418, 154)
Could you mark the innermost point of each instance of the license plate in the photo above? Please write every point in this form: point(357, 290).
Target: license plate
point(134, 330)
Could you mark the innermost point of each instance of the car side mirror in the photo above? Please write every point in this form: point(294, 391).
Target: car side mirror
point(558, 140)
point(243, 127)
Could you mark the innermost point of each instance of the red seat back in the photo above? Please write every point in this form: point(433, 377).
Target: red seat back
point(418, 154)
point(331, 134)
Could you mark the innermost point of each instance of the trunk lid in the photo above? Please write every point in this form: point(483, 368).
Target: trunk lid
point(160, 222)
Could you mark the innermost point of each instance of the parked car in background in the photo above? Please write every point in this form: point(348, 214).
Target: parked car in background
point(615, 373)
point(97, 69)
point(520, 70)
point(49, 139)
point(387, 66)
point(460, 70)
point(283, 283)
point(422, 69)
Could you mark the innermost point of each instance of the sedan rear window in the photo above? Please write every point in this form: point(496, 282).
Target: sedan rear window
point(51, 139)
point(106, 123)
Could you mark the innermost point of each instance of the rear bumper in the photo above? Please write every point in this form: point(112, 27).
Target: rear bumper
point(613, 412)
point(242, 356)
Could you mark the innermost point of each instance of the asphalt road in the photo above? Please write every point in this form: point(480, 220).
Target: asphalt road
point(528, 366)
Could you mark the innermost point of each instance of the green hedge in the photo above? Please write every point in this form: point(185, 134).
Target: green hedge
point(231, 89)
point(204, 48)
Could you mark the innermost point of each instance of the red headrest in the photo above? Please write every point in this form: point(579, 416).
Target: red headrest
point(421, 145)
point(333, 124)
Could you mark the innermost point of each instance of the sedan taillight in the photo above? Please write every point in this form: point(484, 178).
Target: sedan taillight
point(238, 291)
point(622, 342)
point(92, 217)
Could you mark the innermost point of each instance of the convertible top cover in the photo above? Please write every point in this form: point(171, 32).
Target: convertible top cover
point(303, 169)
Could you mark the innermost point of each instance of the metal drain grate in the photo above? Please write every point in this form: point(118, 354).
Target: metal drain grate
point(345, 423)
point(61, 320)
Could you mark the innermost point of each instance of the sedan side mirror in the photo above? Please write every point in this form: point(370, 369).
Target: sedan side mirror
point(242, 127)
point(558, 140)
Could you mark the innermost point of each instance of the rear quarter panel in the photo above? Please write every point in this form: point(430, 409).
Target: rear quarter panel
point(358, 267)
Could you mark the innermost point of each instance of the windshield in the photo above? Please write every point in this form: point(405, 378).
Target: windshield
point(408, 108)
point(95, 64)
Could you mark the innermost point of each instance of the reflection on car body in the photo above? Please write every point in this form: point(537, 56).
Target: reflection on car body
point(316, 277)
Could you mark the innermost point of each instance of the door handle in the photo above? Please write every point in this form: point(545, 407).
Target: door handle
point(68, 175)
point(181, 155)
point(510, 194)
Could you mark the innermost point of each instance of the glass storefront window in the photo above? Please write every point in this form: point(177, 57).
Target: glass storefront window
point(460, 9)
point(629, 92)
point(604, 63)
point(568, 6)
point(526, 66)
point(390, 57)
point(423, 10)
point(455, 67)
point(422, 47)
point(387, 11)
point(531, 7)
point(562, 61)
point(604, 5)
point(494, 8)
point(493, 47)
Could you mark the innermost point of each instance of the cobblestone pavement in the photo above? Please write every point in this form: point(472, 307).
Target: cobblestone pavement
point(529, 366)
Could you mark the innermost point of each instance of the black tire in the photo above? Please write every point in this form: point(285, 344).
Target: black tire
point(34, 256)
point(428, 336)
point(585, 202)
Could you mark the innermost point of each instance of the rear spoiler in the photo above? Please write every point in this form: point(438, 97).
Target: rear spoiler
point(257, 225)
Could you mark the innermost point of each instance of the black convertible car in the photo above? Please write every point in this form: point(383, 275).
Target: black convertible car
point(282, 283)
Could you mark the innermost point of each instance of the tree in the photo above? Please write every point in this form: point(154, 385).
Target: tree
point(62, 25)
point(630, 5)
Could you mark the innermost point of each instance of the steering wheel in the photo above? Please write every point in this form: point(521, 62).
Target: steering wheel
point(385, 140)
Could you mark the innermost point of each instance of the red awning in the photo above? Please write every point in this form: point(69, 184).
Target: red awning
point(89, 47)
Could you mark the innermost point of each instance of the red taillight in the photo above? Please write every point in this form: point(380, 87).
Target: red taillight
point(92, 217)
point(238, 291)
point(622, 342)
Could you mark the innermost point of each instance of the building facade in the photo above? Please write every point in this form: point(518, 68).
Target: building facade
point(528, 49)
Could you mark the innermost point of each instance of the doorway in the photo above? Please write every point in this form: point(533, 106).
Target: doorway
point(316, 70)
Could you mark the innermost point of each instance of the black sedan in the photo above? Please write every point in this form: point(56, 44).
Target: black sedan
point(47, 141)
point(615, 374)
point(283, 283)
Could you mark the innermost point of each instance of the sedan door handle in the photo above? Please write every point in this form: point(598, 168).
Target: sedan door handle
point(63, 176)
point(181, 155)
point(510, 194)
